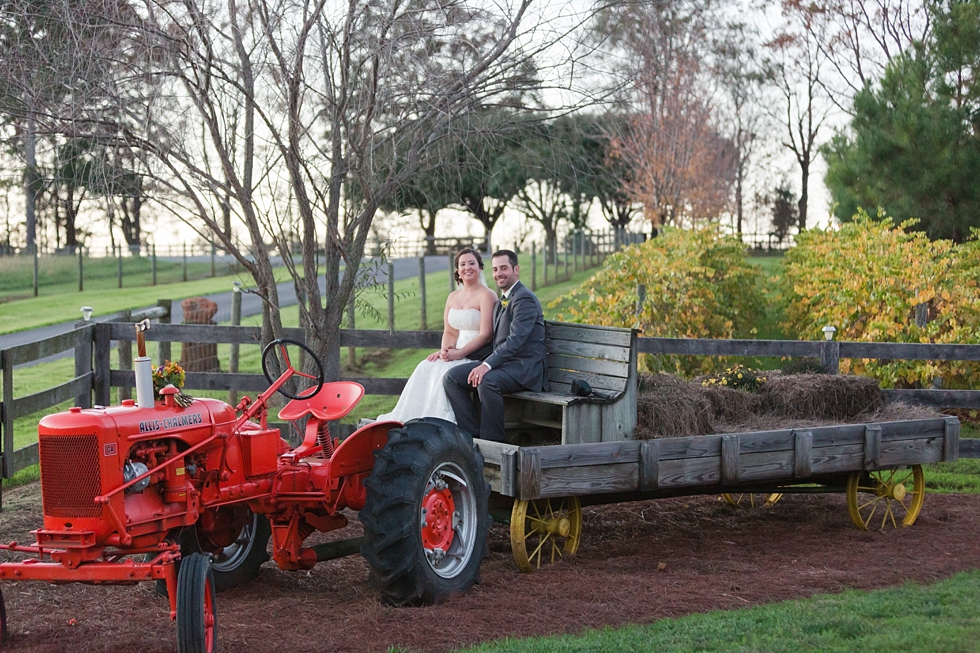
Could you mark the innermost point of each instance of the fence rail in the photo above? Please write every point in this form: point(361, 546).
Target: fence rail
point(95, 375)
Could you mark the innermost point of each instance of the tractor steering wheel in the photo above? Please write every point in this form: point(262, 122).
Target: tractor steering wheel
point(280, 346)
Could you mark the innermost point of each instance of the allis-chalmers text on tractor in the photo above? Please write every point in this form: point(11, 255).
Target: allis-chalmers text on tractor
point(189, 496)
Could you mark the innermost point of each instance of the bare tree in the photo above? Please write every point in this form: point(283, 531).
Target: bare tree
point(313, 115)
point(795, 69)
point(678, 160)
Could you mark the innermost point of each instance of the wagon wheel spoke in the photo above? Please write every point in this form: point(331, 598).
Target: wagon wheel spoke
point(537, 525)
point(899, 491)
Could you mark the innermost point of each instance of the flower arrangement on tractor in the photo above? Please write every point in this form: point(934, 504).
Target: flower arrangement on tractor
point(187, 492)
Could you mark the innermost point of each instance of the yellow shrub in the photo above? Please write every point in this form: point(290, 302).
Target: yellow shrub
point(698, 285)
point(867, 278)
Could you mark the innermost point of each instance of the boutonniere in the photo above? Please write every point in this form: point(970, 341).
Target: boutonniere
point(504, 302)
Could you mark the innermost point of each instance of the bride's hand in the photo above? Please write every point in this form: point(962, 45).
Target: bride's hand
point(451, 354)
point(432, 358)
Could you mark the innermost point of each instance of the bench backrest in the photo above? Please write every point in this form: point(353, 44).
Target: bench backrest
point(604, 357)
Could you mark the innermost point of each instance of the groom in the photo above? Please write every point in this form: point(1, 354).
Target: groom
point(517, 362)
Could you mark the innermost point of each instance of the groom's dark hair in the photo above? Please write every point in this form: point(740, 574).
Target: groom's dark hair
point(511, 256)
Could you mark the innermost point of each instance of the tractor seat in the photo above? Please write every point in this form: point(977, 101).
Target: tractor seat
point(333, 401)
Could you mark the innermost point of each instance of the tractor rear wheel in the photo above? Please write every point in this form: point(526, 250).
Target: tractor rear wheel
point(197, 625)
point(425, 518)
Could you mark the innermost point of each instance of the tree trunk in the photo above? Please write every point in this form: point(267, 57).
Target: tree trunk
point(30, 184)
point(804, 194)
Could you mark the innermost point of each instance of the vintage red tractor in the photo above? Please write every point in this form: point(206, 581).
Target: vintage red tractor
point(189, 496)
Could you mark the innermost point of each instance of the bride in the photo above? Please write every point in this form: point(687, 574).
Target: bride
point(466, 336)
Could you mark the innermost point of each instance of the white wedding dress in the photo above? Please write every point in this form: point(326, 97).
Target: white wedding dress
point(424, 395)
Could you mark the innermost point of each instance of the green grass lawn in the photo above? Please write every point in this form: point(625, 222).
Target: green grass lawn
point(912, 618)
point(58, 275)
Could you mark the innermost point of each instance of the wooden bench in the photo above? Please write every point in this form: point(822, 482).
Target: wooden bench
point(604, 357)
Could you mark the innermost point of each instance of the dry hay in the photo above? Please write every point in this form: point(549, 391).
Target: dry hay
point(667, 407)
point(671, 407)
point(821, 396)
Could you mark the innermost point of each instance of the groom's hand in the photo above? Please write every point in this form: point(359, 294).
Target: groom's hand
point(477, 374)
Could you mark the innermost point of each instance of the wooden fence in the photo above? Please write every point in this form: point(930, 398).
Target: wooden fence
point(95, 376)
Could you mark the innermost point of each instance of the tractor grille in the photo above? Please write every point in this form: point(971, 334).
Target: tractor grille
point(70, 475)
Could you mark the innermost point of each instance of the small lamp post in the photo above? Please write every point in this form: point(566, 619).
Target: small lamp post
point(86, 313)
point(828, 332)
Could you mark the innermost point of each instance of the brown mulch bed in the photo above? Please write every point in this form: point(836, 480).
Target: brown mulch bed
point(715, 557)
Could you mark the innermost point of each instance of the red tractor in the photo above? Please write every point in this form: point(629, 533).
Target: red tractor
point(189, 496)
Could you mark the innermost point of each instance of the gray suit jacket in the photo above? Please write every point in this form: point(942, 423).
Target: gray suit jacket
point(518, 339)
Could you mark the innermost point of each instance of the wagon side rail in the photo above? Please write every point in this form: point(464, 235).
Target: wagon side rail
point(719, 463)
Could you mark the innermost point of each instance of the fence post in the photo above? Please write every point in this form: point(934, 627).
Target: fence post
point(236, 320)
point(575, 246)
point(163, 349)
point(391, 297)
point(554, 253)
point(153, 263)
point(101, 380)
point(351, 351)
point(534, 266)
point(36, 265)
point(641, 298)
point(566, 260)
point(212, 260)
point(83, 360)
point(119, 267)
point(7, 365)
point(81, 276)
point(125, 350)
point(422, 320)
point(830, 351)
point(544, 256)
point(185, 263)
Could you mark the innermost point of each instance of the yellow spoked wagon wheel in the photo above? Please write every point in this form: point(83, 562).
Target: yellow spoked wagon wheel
point(543, 531)
point(890, 497)
point(751, 500)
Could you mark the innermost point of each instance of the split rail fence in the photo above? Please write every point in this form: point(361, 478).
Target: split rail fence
point(95, 376)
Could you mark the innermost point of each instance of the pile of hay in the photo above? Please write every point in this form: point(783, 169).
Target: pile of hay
point(671, 407)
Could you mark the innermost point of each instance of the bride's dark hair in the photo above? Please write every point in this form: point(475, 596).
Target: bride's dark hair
point(459, 254)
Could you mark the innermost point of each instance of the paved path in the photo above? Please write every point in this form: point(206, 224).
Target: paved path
point(405, 268)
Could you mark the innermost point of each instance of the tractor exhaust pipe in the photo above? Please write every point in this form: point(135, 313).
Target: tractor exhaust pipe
point(143, 365)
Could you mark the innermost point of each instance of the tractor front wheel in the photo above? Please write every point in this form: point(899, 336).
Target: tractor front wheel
point(197, 625)
point(236, 554)
point(425, 518)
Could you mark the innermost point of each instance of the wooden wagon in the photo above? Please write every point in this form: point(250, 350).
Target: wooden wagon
point(572, 450)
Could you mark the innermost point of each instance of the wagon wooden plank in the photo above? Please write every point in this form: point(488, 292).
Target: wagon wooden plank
point(529, 473)
point(589, 333)
point(770, 465)
point(729, 459)
point(689, 472)
point(597, 381)
point(594, 365)
point(951, 439)
point(581, 423)
point(802, 453)
point(834, 460)
point(910, 452)
point(649, 465)
point(696, 446)
point(508, 473)
point(602, 479)
point(588, 350)
point(492, 476)
point(492, 451)
point(872, 446)
point(585, 455)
